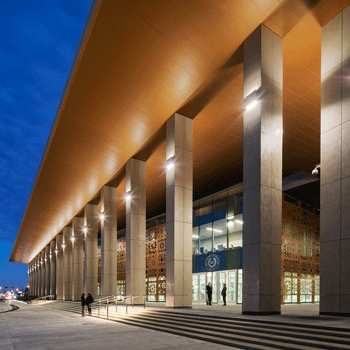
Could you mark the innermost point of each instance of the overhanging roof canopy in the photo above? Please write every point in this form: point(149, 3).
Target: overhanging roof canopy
point(141, 61)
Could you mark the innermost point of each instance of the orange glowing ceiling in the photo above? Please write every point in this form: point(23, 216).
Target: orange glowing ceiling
point(140, 62)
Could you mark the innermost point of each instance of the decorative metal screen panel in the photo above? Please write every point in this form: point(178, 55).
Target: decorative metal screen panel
point(155, 263)
point(300, 254)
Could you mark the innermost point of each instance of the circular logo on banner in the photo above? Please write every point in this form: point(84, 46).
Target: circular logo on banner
point(212, 262)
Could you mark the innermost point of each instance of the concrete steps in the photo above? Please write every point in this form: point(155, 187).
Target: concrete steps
point(236, 332)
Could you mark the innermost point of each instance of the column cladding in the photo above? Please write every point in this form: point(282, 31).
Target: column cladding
point(90, 244)
point(47, 270)
point(53, 271)
point(136, 228)
point(59, 266)
point(77, 258)
point(335, 166)
point(262, 172)
point(179, 204)
point(108, 241)
point(67, 263)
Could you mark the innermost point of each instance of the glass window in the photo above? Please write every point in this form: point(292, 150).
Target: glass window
point(235, 228)
point(220, 235)
point(206, 238)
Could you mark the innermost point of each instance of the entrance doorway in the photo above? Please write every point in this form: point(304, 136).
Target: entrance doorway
point(232, 278)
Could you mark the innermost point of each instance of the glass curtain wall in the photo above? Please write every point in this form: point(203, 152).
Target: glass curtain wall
point(218, 222)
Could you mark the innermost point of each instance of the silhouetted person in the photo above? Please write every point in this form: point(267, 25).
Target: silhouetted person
point(89, 301)
point(83, 302)
point(209, 293)
point(223, 293)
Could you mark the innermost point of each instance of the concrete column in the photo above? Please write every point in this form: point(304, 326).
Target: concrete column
point(262, 172)
point(179, 204)
point(59, 266)
point(78, 257)
point(108, 241)
point(35, 281)
point(335, 167)
point(30, 275)
point(90, 247)
point(136, 228)
point(42, 273)
point(47, 270)
point(53, 271)
point(67, 263)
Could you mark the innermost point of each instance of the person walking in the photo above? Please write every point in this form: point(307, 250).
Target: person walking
point(223, 293)
point(83, 302)
point(89, 301)
point(209, 293)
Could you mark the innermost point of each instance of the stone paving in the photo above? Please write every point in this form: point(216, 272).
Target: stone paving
point(33, 327)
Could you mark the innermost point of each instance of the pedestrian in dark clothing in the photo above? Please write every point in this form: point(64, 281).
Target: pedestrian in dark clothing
point(89, 301)
point(83, 302)
point(223, 293)
point(209, 293)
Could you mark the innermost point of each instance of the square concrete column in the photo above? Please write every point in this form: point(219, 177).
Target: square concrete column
point(108, 241)
point(67, 263)
point(262, 172)
point(42, 273)
point(59, 266)
point(335, 167)
point(35, 282)
point(77, 258)
point(47, 270)
point(53, 271)
point(30, 278)
point(136, 228)
point(90, 246)
point(179, 205)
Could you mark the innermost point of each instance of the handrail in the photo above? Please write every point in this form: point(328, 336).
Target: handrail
point(132, 297)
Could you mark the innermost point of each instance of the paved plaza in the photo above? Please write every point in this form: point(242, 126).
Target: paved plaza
point(33, 327)
point(37, 327)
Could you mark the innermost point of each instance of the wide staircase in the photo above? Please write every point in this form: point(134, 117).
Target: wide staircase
point(236, 332)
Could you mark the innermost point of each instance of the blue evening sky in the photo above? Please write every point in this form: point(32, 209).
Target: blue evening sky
point(37, 45)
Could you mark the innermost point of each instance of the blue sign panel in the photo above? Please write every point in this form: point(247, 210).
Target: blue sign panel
point(205, 219)
point(210, 262)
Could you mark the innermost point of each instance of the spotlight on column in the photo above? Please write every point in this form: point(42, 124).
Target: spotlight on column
point(72, 238)
point(316, 170)
point(102, 215)
point(63, 245)
point(128, 195)
point(56, 251)
point(251, 100)
point(170, 163)
point(84, 229)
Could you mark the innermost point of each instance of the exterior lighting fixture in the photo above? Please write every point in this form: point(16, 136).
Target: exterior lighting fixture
point(56, 251)
point(63, 245)
point(239, 221)
point(231, 217)
point(72, 238)
point(128, 195)
point(102, 215)
point(84, 229)
point(170, 163)
point(251, 100)
point(316, 170)
point(279, 132)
